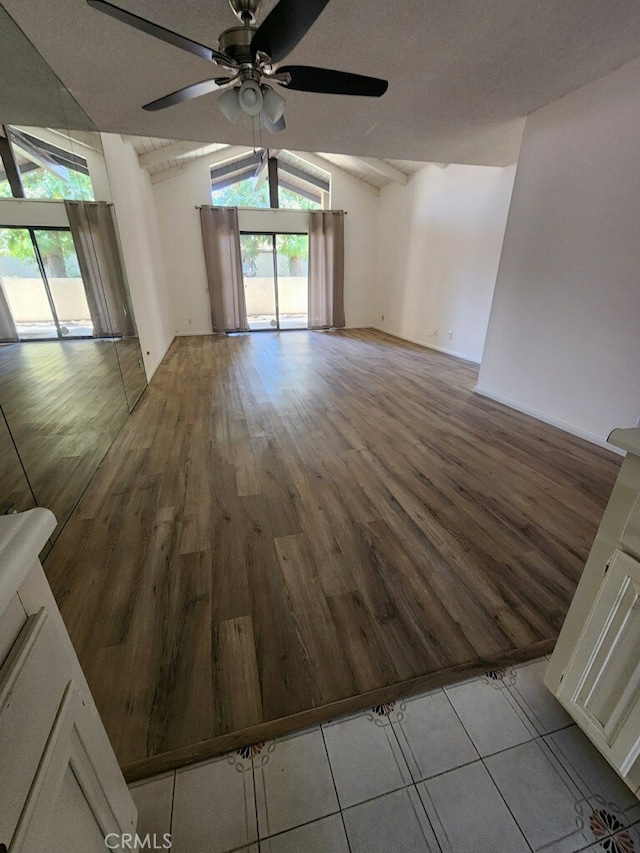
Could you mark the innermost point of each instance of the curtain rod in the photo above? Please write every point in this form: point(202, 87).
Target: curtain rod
point(270, 209)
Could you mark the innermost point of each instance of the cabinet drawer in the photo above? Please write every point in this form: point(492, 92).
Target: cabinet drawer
point(630, 536)
point(32, 682)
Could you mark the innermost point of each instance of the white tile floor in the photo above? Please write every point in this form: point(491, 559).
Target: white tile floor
point(490, 765)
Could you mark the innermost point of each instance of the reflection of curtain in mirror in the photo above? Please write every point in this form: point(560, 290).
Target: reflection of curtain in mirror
point(96, 242)
point(221, 238)
point(8, 331)
point(326, 269)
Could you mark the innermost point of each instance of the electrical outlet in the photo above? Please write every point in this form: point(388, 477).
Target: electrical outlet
point(382, 318)
point(450, 335)
point(189, 321)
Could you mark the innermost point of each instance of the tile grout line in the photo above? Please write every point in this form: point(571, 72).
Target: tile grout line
point(300, 825)
point(335, 788)
point(526, 841)
point(473, 744)
point(398, 723)
point(431, 827)
point(414, 784)
point(255, 803)
point(506, 804)
point(173, 801)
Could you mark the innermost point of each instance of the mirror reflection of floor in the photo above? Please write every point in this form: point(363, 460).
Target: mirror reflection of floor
point(64, 402)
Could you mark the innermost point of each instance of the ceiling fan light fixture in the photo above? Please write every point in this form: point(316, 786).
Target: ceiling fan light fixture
point(273, 104)
point(229, 103)
point(250, 97)
point(252, 122)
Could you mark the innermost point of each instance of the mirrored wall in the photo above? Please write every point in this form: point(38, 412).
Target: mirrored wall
point(71, 366)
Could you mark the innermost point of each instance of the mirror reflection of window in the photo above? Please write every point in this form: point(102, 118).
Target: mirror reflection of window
point(41, 280)
point(47, 170)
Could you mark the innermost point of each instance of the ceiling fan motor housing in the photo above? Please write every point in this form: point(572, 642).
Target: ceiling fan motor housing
point(236, 44)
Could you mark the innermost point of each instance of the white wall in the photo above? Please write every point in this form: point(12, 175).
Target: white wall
point(440, 238)
point(176, 200)
point(141, 249)
point(564, 336)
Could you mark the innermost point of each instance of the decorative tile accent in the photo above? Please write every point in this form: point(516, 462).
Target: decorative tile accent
point(322, 836)
point(499, 678)
point(366, 759)
point(432, 738)
point(214, 807)
point(602, 823)
point(535, 786)
point(294, 786)
point(599, 783)
point(154, 801)
point(625, 841)
point(492, 718)
point(394, 823)
point(250, 751)
point(541, 707)
point(389, 712)
point(468, 814)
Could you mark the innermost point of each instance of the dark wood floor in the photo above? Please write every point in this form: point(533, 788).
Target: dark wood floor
point(295, 525)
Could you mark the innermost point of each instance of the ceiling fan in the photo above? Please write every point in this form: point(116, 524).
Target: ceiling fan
point(248, 57)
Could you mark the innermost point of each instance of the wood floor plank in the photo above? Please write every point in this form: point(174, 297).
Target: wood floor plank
point(292, 525)
point(236, 680)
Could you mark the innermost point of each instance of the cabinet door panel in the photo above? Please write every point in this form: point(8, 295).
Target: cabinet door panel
point(630, 536)
point(67, 807)
point(611, 681)
point(32, 682)
point(601, 687)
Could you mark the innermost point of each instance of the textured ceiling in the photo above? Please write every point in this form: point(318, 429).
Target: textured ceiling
point(462, 73)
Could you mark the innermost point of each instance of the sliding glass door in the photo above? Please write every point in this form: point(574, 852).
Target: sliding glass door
point(258, 272)
point(63, 279)
point(274, 268)
point(41, 281)
point(22, 280)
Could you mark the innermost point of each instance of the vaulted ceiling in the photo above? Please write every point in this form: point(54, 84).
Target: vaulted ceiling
point(462, 74)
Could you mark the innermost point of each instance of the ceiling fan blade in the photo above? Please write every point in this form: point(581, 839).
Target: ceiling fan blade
point(188, 93)
point(306, 78)
point(285, 26)
point(274, 127)
point(160, 32)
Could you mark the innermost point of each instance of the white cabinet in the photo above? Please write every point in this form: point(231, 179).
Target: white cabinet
point(61, 787)
point(595, 668)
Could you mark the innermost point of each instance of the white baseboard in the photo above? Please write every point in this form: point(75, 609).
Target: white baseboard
point(158, 361)
point(548, 419)
point(428, 345)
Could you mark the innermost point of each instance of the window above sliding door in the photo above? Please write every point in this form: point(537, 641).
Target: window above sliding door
point(259, 180)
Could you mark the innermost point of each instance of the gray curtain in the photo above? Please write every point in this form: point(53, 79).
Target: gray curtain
point(96, 242)
point(221, 239)
point(8, 331)
point(326, 269)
